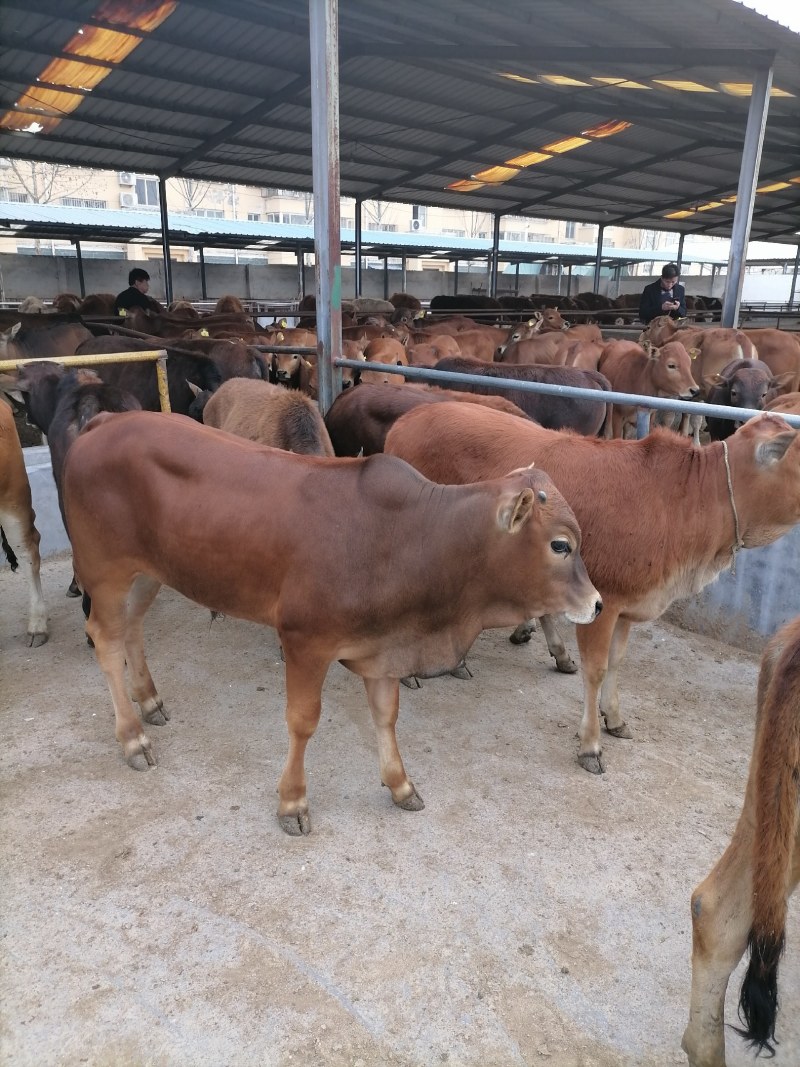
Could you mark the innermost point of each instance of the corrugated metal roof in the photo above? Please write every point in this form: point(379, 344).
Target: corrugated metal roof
point(222, 92)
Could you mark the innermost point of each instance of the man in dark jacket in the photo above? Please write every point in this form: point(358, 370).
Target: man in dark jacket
point(135, 296)
point(664, 297)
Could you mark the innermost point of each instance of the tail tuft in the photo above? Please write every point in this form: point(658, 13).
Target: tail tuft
point(9, 551)
point(758, 1000)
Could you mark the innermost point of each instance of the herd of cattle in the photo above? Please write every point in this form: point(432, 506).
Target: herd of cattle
point(474, 511)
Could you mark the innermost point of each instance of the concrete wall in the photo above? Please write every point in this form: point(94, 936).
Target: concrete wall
point(45, 276)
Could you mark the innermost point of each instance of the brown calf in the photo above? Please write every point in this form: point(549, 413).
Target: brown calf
point(742, 903)
point(445, 562)
point(665, 371)
point(270, 415)
point(20, 538)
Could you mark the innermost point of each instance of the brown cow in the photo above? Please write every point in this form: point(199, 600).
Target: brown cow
point(270, 415)
point(228, 305)
point(780, 350)
point(665, 371)
point(62, 339)
point(556, 411)
point(359, 419)
point(459, 560)
point(384, 350)
point(788, 403)
point(742, 903)
point(697, 507)
point(18, 533)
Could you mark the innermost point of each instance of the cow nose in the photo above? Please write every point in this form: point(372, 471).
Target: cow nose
point(598, 607)
point(694, 391)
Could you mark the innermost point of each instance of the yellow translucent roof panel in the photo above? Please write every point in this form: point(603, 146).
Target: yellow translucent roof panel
point(517, 78)
point(527, 159)
point(561, 79)
point(746, 89)
point(710, 205)
point(565, 145)
point(607, 129)
point(679, 215)
point(464, 186)
point(495, 175)
point(684, 86)
point(621, 83)
point(773, 187)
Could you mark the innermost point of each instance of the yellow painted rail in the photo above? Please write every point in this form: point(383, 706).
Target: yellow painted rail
point(157, 356)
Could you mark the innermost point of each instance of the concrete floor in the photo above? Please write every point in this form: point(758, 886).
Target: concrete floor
point(531, 914)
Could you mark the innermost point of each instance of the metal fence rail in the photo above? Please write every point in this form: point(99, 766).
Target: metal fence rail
point(658, 403)
point(156, 355)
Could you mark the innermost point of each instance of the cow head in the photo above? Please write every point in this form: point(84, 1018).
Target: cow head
point(672, 371)
point(764, 457)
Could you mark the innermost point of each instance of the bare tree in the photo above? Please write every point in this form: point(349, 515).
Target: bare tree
point(42, 183)
point(193, 192)
point(476, 222)
point(375, 212)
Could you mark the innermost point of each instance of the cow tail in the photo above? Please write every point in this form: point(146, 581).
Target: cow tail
point(9, 551)
point(777, 791)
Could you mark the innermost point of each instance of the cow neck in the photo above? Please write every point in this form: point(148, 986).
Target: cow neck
point(739, 542)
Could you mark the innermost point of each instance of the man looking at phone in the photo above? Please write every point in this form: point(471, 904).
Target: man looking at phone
point(664, 297)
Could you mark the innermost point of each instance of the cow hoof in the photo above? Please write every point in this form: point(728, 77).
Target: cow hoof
point(623, 730)
point(153, 711)
point(462, 671)
point(296, 825)
point(411, 682)
point(565, 664)
point(592, 762)
point(74, 589)
point(523, 633)
point(413, 802)
point(36, 640)
point(141, 757)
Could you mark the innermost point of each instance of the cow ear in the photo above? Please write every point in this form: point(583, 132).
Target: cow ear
point(780, 381)
point(693, 352)
point(515, 511)
point(715, 379)
point(15, 330)
point(773, 450)
point(196, 390)
point(647, 345)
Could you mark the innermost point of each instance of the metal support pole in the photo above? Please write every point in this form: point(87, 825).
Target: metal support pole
point(324, 42)
point(203, 282)
point(598, 259)
point(300, 259)
point(403, 275)
point(385, 277)
point(455, 277)
point(79, 258)
point(162, 203)
point(493, 259)
point(516, 279)
point(794, 277)
point(679, 260)
point(358, 276)
point(745, 195)
point(569, 278)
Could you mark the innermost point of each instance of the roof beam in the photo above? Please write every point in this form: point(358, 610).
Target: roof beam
point(679, 58)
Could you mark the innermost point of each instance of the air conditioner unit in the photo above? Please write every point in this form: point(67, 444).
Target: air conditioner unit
point(127, 199)
point(415, 225)
point(5, 164)
point(126, 178)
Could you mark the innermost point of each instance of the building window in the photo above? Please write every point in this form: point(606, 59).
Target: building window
point(147, 191)
point(420, 214)
point(569, 230)
point(80, 201)
point(11, 196)
point(207, 212)
point(512, 235)
point(454, 233)
point(253, 216)
point(273, 216)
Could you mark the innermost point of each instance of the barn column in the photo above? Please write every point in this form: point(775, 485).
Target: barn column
point(679, 260)
point(324, 42)
point(357, 224)
point(79, 260)
point(455, 277)
point(569, 278)
point(794, 277)
point(493, 259)
point(598, 259)
point(745, 194)
point(162, 203)
point(203, 282)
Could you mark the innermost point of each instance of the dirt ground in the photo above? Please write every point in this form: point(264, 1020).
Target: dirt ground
point(531, 914)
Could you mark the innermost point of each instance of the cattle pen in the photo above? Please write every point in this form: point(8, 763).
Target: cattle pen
point(530, 914)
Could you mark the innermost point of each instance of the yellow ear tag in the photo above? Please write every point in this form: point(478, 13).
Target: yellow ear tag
point(279, 337)
point(204, 332)
point(122, 312)
point(283, 324)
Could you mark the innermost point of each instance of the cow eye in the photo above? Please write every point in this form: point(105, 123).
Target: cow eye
point(561, 546)
point(672, 366)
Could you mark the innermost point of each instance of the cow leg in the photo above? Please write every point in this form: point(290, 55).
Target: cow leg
point(304, 680)
point(106, 627)
point(23, 539)
point(594, 643)
point(556, 646)
point(721, 919)
point(609, 692)
point(523, 632)
point(383, 695)
point(143, 690)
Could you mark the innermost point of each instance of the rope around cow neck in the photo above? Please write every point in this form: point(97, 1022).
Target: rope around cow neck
point(739, 542)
